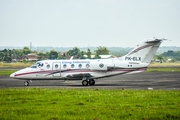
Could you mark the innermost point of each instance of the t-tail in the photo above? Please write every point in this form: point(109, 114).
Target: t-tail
point(144, 52)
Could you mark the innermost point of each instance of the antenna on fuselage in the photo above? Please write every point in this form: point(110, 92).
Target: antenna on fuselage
point(71, 57)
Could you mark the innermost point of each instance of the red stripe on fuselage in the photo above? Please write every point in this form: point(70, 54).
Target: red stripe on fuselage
point(77, 70)
point(49, 71)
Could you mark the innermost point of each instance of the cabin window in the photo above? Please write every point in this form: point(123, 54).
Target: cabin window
point(101, 65)
point(64, 66)
point(72, 65)
point(48, 66)
point(56, 66)
point(80, 65)
point(87, 65)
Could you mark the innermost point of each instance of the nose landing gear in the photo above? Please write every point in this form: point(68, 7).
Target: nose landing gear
point(26, 83)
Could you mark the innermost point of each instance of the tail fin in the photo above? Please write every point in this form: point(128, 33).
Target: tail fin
point(144, 52)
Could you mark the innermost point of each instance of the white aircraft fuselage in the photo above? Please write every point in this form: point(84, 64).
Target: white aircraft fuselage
point(88, 70)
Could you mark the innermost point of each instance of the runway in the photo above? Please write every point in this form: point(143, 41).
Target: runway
point(145, 80)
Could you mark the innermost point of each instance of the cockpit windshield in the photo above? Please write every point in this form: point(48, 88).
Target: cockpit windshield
point(37, 65)
point(33, 66)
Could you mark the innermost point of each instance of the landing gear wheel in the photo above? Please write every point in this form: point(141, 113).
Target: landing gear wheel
point(26, 83)
point(85, 83)
point(91, 82)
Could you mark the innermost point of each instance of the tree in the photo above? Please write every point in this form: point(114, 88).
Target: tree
point(74, 52)
point(172, 54)
point(101, 51)
point(2, 56)
point(6, 55)
point(160, 57)
point(88, 53)
point(53, 54)
point(26, 50)
point(42, 56)
point(81, 55)
point(19, 54)
point(62, 55)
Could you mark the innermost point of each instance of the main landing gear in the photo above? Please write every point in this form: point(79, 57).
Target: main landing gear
point(26, 83)
point(90, 82)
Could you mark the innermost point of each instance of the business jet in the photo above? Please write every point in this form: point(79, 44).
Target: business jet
point(89, 70)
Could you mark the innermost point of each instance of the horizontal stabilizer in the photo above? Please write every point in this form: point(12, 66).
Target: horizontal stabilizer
point(155, 40)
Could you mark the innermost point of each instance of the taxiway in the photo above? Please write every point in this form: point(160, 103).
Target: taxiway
point(145, 80)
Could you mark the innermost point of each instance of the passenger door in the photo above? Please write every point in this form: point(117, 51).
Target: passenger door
point(56, 69)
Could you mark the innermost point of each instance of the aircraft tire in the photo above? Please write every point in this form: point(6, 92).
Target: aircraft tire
point(26, 83)
point(85, 83)
point(91, 82)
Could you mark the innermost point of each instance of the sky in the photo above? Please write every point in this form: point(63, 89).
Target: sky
point(84, 23)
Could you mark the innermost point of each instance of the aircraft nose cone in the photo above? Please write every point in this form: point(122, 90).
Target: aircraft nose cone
point(12, 75)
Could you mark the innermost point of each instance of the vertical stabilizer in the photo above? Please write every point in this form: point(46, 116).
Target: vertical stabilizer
point(144, 52)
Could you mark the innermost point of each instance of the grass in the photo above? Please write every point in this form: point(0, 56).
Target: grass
point(88, 104)
point(6, 72)
point(177, 64)
point(161, 69)
point(14, 65)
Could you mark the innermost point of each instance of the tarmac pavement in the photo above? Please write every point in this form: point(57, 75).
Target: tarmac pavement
point(145, 80)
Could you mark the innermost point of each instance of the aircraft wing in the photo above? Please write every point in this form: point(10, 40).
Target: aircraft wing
point(78, 75)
